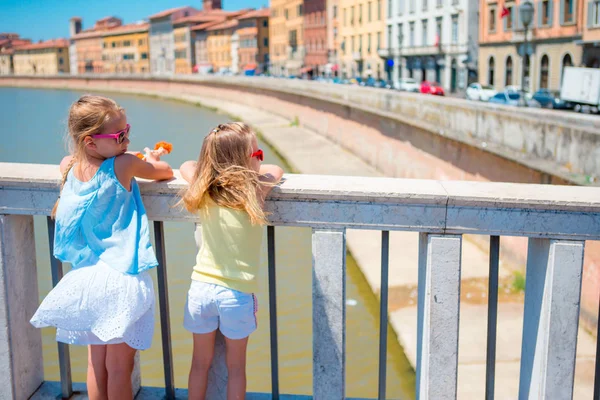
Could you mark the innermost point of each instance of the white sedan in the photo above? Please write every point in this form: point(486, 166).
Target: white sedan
point(477, 91)
point(407, 85)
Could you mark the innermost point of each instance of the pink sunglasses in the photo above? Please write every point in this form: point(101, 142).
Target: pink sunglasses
point(119, 136)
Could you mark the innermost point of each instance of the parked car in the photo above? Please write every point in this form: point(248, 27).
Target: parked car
point(477, 91)
point(551, 99)
point(407, 85)
point(511, 98)
point(432, 88)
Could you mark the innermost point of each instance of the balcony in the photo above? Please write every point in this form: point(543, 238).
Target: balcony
point(557, 223)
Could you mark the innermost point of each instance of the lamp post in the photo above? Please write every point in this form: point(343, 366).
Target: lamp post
point(526, 16)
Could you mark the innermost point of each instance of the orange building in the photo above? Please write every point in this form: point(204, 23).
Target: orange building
point(89, 44)
point(125, 49)
point(253, 35)
point(219, 45)
point(554, 35)
point(184, 37)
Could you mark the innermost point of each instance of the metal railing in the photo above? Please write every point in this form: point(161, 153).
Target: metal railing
point(557, 222)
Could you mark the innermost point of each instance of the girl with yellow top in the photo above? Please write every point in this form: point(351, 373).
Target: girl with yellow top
point(228, 187)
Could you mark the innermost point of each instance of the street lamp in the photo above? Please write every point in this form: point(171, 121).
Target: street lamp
point(526, 16)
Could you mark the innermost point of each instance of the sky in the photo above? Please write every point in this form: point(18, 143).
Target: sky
point(49, 19)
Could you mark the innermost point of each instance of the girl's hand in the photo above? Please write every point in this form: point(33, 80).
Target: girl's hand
point(154, 155)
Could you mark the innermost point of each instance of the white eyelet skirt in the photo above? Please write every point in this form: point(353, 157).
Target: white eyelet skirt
point(99, 305)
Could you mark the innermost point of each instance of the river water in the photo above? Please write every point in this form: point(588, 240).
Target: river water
point(32, 129)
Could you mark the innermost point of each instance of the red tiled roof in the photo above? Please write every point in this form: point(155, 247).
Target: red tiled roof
point(48, 44)
point(224, 25)
point(89, 33)
point(262, 13)
point(7, 51)
point(167, 12)
point(198, 18)
point(206, 25)
point(119, 30)
point(4, 42)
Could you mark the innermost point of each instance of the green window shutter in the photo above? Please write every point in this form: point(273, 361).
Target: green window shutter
point(590, 15)
point(540, 8)
point(550, 12)
point(561, 18)
point(504, 23)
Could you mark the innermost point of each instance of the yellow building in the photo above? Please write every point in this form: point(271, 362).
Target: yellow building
point(125, 50)
point(362, 24)
point(219, 45)
point(44, 58)
point(277, 38)
point(286, 37)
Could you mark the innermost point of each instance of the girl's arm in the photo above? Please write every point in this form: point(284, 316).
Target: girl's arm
point(270, 175)
point(187, 170)
point(128, 166)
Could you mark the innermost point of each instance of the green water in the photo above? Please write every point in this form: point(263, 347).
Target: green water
point(32, 131)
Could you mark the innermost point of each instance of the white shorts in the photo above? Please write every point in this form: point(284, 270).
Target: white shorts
point(211, 306)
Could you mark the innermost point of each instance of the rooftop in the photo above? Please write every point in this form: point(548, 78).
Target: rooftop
point(135, 27)
point(224, 25)
point(262, 13)
point(48, 44)
point(169, 12)
point(206, 25)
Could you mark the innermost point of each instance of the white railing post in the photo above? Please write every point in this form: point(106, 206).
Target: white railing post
point(438, 315)
point(551, 318)
point(329, 314)
point(21, 364)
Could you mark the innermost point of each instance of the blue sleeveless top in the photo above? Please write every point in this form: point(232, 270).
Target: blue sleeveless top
point(99, 221)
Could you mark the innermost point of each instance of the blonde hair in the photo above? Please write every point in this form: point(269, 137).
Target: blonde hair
point(223, 173)
point(87, 116)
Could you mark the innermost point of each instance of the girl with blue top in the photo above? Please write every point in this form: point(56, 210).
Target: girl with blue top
point(228, 187)
point(107, 300)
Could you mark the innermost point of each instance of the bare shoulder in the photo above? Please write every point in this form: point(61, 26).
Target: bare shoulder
point(270, 173)
point(64, 164)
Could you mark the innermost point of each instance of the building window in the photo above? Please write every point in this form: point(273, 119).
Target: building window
point(567, 11)
point(300, 10)
point(454, 29)
point(144, 56)
point(492, 19)
point(424, 33)
point(390, 8)
point(567, 61)
point(360, 14)
point(509, 71)
point(265, 42)
point(127, 43)
point(593, 14)
point(345, 19)
point(265, 23)
point(352, 15)
point(411, 38)
point(286, 13)
point(424, 3)
point(360, 44)
point(491, 72)
point(378, 10)
point(353, 44)
point(370, 11)
point(400, 7)
point(412, 7)
point(545, 12)
point(400, 35)
point(335, 31)
point(378, 41)
point(438, 31)
point(369, 44)
point(334, 12)
point(60, 61)
point(508, 25)
point(440, 3)
point(527, 68)
point(544, 67)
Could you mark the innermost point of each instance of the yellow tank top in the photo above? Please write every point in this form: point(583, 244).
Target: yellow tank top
point(230, 251)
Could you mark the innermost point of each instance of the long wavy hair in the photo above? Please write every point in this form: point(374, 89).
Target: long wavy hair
point(224, 175)
point(87, 116)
